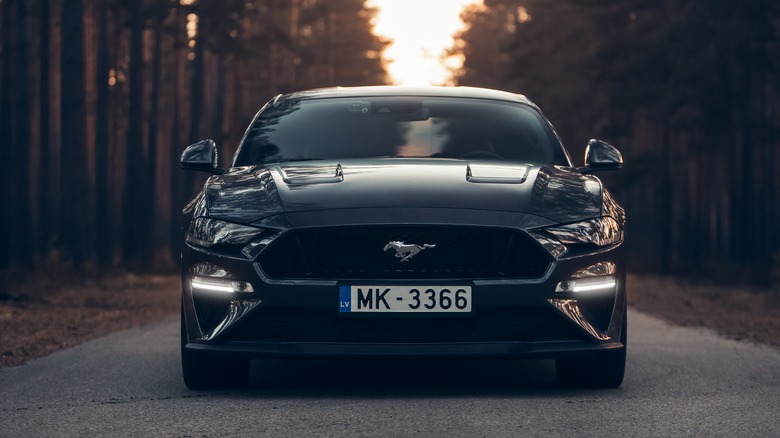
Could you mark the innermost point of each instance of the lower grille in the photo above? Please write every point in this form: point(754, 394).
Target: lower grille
point(404, 329)
point(517, 326)
point(341, 253)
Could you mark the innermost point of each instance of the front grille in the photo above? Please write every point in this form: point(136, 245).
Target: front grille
point(342, 253)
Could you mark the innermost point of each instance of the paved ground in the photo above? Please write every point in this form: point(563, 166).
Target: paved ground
point(680, 382)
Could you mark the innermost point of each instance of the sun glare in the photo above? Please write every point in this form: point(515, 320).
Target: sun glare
point(421, 31)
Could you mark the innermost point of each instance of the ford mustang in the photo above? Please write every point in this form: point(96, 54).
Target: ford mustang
point(438, 222)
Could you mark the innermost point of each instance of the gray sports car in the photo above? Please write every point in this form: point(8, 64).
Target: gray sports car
point(402, 222)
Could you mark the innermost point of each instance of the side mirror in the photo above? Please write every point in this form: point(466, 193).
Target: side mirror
point(201, 156)
point(601, 156)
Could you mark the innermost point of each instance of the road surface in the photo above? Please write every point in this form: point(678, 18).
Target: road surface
point(679, 382)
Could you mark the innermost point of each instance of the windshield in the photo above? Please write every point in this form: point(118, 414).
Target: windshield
point(372, 127)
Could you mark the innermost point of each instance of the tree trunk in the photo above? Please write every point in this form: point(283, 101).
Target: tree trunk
point(330, 62)
point(20, 152)
point(219, 101)
point(135, 218)
point(46, 218)
point(292, 59)
point(175, 148)
point(196, 94)
point(196, 101)
point(151, 168)
point(104, 247)
point(74, 182)
point(6, 103)
point(273, 49)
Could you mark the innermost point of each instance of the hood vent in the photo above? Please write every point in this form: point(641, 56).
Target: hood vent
point(495, 174)
point(305, 175)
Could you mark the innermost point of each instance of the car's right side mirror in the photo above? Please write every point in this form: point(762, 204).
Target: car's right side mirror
point(600, 155)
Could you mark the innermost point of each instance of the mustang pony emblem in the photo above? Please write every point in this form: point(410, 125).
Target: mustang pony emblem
point(404, 251)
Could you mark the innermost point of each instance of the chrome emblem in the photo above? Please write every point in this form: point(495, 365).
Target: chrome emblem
point(404, 251)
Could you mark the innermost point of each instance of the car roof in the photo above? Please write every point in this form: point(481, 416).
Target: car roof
point(395, 90)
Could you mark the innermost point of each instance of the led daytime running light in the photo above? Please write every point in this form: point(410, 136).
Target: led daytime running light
point(586, 285)
point(220, 285)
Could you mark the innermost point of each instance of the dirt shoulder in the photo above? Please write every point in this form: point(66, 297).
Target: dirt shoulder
point(737, 312)
point(39, 316)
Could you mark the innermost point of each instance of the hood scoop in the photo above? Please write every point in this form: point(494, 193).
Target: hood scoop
point(497, 174)
point(306, 175)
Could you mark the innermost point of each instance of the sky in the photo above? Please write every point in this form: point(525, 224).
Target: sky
point(421, 31)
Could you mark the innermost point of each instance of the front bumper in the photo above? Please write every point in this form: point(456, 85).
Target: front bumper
point(301, 317)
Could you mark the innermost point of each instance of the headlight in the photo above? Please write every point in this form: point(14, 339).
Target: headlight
point(602, 231)
point(207, 232)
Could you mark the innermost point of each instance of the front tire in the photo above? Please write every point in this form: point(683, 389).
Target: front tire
point(210, 371)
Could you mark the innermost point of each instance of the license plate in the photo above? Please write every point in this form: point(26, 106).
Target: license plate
point(405, 299)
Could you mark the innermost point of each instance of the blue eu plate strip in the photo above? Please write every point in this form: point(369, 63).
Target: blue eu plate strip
point(345, 298)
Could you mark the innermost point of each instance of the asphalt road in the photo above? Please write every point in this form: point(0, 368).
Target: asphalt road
point(679, 382)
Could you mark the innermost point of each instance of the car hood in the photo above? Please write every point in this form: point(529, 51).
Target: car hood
point(252, 194)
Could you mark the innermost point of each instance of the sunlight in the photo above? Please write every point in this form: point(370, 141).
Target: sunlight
point(421, 31)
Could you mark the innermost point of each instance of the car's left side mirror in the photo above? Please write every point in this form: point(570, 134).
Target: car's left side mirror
point(201, 156)
point(601, 156)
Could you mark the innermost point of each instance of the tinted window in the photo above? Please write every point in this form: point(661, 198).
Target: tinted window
point(338, 128)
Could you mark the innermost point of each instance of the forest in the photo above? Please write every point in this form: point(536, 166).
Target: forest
point(686, 89)
point(98, 98)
